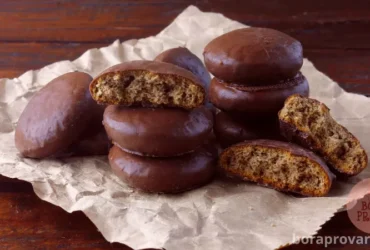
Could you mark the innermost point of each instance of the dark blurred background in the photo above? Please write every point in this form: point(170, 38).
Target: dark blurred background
point(335, 33)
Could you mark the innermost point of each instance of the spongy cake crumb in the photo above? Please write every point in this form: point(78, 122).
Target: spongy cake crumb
point(276, 168)
point(331, 140)
point(147, 89)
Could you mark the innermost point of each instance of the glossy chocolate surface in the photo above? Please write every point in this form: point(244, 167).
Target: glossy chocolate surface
point(156, 131)
point(164, 175)
point(57, 116)
point(261, 102)
point(183, 58)
point(253, 56)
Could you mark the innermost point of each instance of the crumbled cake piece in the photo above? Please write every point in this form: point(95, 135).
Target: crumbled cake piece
point(308, 122)
point(279, 165)
point(148, 84)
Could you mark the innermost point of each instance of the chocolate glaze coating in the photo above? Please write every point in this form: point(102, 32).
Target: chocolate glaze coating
point(163, 175)
point(56, 116)
point(253, 55)
point(256, 102)
point(230, 131)
point(157, 132)
point(182, 57)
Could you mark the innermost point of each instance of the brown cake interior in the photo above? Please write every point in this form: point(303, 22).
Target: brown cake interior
point(332, 141)
point(276, 168)
point(146, 88)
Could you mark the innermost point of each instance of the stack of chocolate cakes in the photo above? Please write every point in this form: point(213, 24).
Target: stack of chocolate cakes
point(158, 125)
point(255, 70)
point(261, 94)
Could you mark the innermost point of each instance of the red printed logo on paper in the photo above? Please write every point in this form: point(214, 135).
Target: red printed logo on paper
point(358, 207)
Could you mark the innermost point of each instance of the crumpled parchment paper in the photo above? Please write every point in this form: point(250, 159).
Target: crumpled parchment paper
point(218, 216)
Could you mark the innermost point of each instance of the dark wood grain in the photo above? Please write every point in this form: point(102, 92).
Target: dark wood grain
point(335, 35)
point(104, 21)
point(350, 68)
point(29, 223)
point(17, 58)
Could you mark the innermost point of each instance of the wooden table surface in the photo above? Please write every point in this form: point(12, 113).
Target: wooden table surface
point(335, 35)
